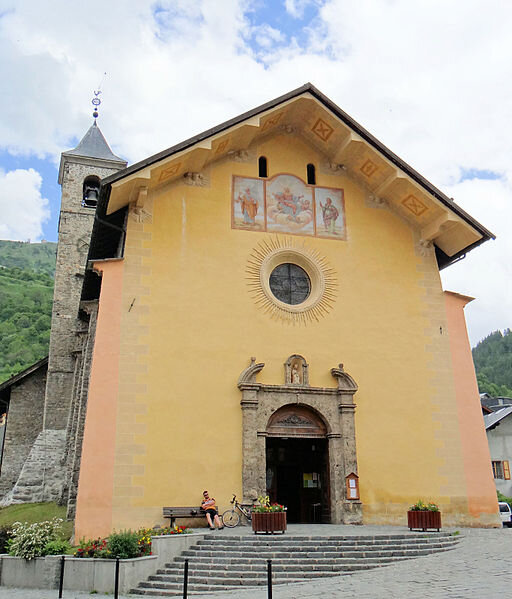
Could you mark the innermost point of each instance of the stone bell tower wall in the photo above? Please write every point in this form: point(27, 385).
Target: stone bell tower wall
point(75, 227)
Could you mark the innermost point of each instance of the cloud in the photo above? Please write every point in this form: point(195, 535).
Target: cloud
point(266, 36)
point(296, 8)
point(427, 78)
point(486, 272)
point(22, 207)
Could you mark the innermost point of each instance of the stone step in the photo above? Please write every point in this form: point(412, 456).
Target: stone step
point(277, 565)
point(258, 541)
point(218, 563)
point(309, 554)
point(220, 537)
point(308, 548)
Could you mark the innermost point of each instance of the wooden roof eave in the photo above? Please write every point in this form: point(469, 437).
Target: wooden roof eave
point(124, 187)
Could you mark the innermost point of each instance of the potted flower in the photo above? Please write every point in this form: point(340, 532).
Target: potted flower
point(423, 516)
point(267, 517)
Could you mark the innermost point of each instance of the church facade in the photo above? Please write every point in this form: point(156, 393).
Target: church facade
point(263, 315)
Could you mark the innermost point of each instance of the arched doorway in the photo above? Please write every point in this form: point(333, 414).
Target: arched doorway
point(297, 463)
point(319, 417)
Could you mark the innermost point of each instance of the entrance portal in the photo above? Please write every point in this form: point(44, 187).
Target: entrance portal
point(297, 477)
point(299, 443)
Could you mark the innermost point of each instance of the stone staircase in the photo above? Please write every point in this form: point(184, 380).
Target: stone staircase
point(220, 563)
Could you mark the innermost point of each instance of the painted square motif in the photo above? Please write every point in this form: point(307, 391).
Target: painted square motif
point(222, 146)
point(272, 121)
point(414, 205)
point(248, 204)
point(322, 130)
point(368, 168)
point(169, 171)
point(289, 206)
point(330, 213)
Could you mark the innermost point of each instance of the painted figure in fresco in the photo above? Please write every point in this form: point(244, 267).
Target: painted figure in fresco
point(288, 203)
point(208, 505)
point(294, 208)
point(249, 206)
point(330, 214)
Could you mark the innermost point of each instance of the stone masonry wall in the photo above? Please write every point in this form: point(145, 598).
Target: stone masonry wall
point(75, 227)
point(24, 423)
point(76, 423)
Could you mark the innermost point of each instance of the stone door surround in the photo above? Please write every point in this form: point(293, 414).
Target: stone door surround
point(331, 407)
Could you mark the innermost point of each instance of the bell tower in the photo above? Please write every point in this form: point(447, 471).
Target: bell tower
point(80, 173)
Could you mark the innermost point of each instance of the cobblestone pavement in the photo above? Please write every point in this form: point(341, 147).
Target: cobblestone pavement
point(481, 567)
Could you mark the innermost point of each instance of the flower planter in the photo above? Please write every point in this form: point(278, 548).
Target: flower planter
point(269, 522)
point(423, 519)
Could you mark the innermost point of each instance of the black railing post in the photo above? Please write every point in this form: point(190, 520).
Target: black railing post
point(185, 580)
point(116, 580)
point(61, 579)
point(269, 578)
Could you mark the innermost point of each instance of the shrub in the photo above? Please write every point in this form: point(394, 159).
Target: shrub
point(5, 537)
point(92, 548)
point(504, 498)
point(124, 544)
point(57, 547)
point(29, 540)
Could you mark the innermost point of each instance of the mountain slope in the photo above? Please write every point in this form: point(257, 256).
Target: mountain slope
point(26, 294)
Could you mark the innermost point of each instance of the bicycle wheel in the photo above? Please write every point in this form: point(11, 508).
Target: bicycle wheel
point(230, 518)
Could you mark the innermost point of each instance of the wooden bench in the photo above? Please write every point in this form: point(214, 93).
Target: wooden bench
point(183, 512)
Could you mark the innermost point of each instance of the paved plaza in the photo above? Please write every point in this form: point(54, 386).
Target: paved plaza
point(480, 567)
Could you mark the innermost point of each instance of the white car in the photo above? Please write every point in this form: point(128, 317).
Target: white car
point(505, 513)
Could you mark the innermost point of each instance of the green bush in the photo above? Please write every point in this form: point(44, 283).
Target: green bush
point(504, 498)
point(124, 544)
point(57, 547)
point(5, 537)
point(29, 540)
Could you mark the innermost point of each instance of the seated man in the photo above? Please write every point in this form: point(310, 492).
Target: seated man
point(208, 505)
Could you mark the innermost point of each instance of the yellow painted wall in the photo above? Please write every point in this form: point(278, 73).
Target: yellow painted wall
point(193, 326)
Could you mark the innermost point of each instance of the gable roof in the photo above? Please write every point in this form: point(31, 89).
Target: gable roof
point(346, 145)
point(491, 420)
point(18, 378)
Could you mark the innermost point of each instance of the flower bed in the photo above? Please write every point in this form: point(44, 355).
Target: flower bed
point(93, 574)
point(125, 544)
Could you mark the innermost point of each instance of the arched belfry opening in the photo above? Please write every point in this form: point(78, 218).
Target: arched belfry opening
point(91, 191)
point(299, 443)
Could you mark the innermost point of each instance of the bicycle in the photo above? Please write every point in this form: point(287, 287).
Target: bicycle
point(231, 518)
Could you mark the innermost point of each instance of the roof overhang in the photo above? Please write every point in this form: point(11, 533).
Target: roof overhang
point(346, 146)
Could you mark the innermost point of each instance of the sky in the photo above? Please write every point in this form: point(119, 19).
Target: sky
point(431, 79)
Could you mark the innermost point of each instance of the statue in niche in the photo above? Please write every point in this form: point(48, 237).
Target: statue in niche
point(296, 371)
point(296, 378)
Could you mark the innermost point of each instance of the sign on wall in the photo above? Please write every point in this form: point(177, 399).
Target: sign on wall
point(285, 204)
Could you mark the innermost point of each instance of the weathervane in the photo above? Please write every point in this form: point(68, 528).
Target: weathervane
point(96, 101)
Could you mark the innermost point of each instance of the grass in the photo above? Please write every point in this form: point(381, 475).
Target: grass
point(35, 512)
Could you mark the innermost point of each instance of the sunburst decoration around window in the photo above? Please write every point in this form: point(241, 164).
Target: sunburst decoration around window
point(316, 292)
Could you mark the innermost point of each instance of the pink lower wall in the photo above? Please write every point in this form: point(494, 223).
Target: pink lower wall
point(95, 486)
point(481, 490)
